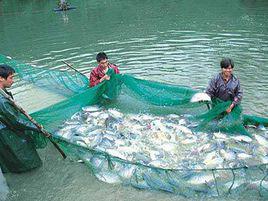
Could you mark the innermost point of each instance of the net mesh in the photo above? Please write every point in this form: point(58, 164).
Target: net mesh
point(132, 95)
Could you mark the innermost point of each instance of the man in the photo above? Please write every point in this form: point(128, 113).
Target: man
point(99, 73)
point(225, 85)
point(17, 150)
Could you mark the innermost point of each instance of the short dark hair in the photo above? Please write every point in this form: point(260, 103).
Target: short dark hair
point(6, 70)
point(101, 56)
point(226, 62)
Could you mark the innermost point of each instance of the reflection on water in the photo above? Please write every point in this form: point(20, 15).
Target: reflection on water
point(178, 42)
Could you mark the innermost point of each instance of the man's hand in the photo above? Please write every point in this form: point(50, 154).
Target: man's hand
point(229, 109)
point(105, 77)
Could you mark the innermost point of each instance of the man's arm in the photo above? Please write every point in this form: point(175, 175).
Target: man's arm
point(14, 120)
point(211, 89)
point(94, 80)
point(237, 98)
point(238, 94)
point(116, 70)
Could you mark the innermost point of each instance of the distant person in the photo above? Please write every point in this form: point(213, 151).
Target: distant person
point(17, 149)
point(99, 73)
point(225, 85)
point(63, 4)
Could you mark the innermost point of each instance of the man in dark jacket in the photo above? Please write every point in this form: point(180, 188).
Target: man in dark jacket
point(17, 149)
point(225, 85)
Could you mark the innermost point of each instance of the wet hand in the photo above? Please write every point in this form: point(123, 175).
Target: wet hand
point(105, 77)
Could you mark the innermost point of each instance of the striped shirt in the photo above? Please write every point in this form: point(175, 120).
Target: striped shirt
point(97, 73)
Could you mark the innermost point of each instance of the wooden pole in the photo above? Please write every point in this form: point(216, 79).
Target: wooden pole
point(41, 129)
point(70, 66)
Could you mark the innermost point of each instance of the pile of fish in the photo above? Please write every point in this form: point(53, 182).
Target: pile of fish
point(167, 142)
point(162, 141)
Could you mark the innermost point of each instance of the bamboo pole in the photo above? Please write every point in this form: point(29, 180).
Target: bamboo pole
point(70, 66)
point(39, 126)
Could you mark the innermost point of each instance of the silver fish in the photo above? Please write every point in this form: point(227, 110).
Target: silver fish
point(261, 140)
point(91, 109)
point(108, 177)
point(242, 138)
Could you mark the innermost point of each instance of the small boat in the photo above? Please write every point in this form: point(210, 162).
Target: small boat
point(61, 9)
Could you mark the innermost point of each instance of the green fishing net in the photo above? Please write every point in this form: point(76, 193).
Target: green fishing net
point(132, 95)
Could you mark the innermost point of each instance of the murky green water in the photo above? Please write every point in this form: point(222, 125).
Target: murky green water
point(173, 41)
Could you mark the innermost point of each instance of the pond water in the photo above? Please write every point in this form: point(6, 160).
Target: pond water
point(172, 41)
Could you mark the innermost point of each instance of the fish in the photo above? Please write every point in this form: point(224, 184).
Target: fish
point(243, 156)
point(250, 161)
point(93, 108)
point(96, 114)
point(154, 180)
point(234, 185)
point(184, 129)
point(238, 147)
point(173, 116)
point(261, 127)
point(212, 160)
point(114, 113)
point(106, 143)
point(257, 184)
point(125, 171)
point(264, 159)
point(154, 155)
point(242, 138)
point(261, 140)
point(141, 157)
point(169, 147)
point(227, 155)
point(189, 141)
point(198, 97)
point(108, 177)
point(262, 151)
point(116, 153)
point(97, 139)
point(160, 142)
point(182, 122)
point(160, 163)
point(201, 178)
point(85, 130)
point(220, 135)
point(97, 162)
point(138, 181)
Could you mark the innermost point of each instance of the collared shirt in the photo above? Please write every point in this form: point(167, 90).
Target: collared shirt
point(230, 90)
point(97, 73)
